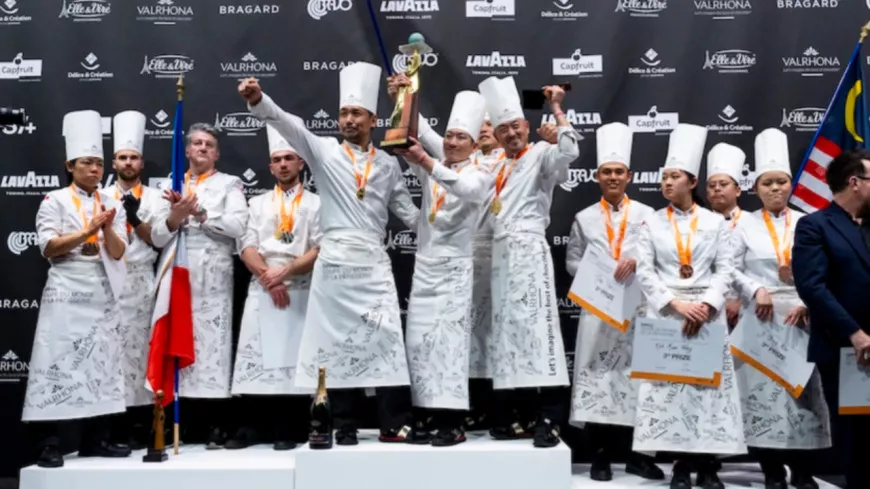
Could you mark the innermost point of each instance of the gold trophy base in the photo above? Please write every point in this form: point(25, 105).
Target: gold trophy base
point(155, 456)
point(400, 136)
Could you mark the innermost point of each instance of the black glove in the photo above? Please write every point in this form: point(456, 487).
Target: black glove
point(131, 206)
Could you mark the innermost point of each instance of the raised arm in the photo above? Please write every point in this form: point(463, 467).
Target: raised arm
point(559, 156)
point(432, 142)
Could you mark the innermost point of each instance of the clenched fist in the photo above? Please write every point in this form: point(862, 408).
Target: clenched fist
point(250, 90)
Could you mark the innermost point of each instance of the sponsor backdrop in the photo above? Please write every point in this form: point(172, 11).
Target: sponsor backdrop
point(735, 66)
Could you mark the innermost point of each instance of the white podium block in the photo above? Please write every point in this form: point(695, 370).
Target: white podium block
point(195, 467)
point(478, 463)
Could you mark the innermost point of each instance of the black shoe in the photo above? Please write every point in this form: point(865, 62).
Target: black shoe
point(216, 439)
point(346, 437)
point(644, 466)
point(282, 445)
point(105, 449)
point(243, 438)
point(546, 434)
point(448, 437)
point(513, 432)
point(50, 458)
point(475, 422)
point(774, 483)
point(405, 434)
point(803, 480)
point(601, 470)
point(682, 476)
point(709, 479)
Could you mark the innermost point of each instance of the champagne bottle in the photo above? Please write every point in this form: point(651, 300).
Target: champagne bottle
point(320, 434)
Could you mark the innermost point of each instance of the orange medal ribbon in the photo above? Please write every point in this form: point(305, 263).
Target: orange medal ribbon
point(288, 219)
point(615, 248)
point(438, 199)
point(201, 178)
point(684, 252)
point(361, 179)
point(783, 255)
point(736, 218)
point(77, 202)
point(502, 178)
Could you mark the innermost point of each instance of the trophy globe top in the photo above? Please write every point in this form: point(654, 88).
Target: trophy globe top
point(416, 43)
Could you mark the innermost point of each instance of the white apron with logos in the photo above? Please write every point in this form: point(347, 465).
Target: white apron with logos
point(353, 326)
point(249, 375)
point(603, 391)
point(438, 330)
point(137, 306)
point(676, 417)
point(525, 324)
point(75, 368)
point(482, 346)
point(773, 418)
point(211, 285)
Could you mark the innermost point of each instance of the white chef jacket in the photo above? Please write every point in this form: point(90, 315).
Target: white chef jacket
point(589, 229)
point(333, 172)
point(265, 217)
point(152, 205)
point(658, 264)
point(755, 256)
point(465, 185)
point(57, 216)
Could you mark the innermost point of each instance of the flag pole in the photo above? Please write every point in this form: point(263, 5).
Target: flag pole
point(179, 91)
point(380, 38)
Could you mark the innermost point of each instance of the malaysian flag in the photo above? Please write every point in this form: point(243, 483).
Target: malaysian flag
point(843, 128)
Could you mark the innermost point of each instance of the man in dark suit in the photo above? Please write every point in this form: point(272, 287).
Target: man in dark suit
point(831, 261)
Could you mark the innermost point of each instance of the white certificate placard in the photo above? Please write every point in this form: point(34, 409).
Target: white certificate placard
point(854, 384)
point(595, 290)
point(776, 349)
point(662, 352)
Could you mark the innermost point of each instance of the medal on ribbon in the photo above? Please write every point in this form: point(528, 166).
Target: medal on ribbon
point(361, 178)
point(783, 255)
point(284, 229)
point(615, 248)
point(502, 178)
point(685, 251)
point(91, 246)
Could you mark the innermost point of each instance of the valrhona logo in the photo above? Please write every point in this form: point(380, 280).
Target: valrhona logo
point(730, 61)
point(249, 66)
point(20, 241)
point(811, 63)
point(12, 368)
point(164, 12)
point(405, 242)
point(85, 10)
point(412, 183)
point(803, 119)
point(495, 64)
point(317, 9)
point(722, 9)
point(167, 66)
point(322, 124)
point(642, 8)
point(10, 15)
point(238, 124)
point(409, 9)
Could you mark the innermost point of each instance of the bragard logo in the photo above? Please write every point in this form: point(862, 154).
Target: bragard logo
point(248, 9)
point(722, 9)
point(91, 64)
point(730, 61)
point(9, 13)
point(495, 64)
point(803, 119)
point(802, 4)
point(563, 10)
point(18, 129)
point(164, 12)
point(21, 69)
point(18, 304)
point(576, 176)
point(19, 241)
point(85, 10)
point(584, 122)
point(159, 126)
point(493, 9)
point(249, 66)
point(583, 66)
point(400, 61)
point(403, 241)
point(728, 115)
point(167, 66)
point(651, 66)
point(654, 121)
point(811, 64)
point(238, 124)
point(409, 9)
point(318, 65)
point(641, 8)
point(318, 8)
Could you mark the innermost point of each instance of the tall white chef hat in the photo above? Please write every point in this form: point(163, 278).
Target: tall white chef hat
point(725, 159)
point(467, 114)
point(276, 142)
point(83, 133)
point(359, 84)
point(613, 144)
point(502, 99)
point(771, 152)
point(686, 148)
point(129, 127)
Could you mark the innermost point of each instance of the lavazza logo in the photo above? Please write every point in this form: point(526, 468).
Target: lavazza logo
point(21, 69)
point(400, 61)
point(30, 184)
point(729, 123)
point(495, 64)
point(584, 122)
point(9, 14)
point(238, 124)
point(164, 12)
point(317, 9)
point(811, 64)
point(249, 66)
point(722, 9)
point(580, 65)
point(654, 121)
point(405, 242)
point(563, 10)
point(12, 368)
point(651, 66)
point(167, 66)
point(324, 65)
point(251, 184)
point(85, 10)
point(91, 70)
point(801, 4)
point(492, 9)
point(803, 119)
point(159, 126)
point(19, 241)
point(409, 9)
point(19, 129)
point(730, 61)
point(642, 8)
point(254, 9)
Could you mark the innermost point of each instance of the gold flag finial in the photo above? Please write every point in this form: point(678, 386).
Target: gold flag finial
point(865, 31)
point(179, 87)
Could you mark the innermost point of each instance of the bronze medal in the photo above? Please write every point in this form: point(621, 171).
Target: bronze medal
point(90, 249)
point(496, 206)
point(432, 217)
point(786, 275)
point(686, 271)
point(360, 193)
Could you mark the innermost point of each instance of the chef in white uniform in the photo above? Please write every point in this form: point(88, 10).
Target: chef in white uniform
point(604, 396)
point(76, 367)
point(684, 266)
point(529, 355)
point(353, 326)
point(143, 206)
point(218, 214)
point(279, 248)
point(724, 168)
point(782, 428)
point(440, 305)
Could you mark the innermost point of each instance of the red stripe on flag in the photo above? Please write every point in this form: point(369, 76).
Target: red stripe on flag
point(816, 170)
point(807, 195)
point(172, 337)
point(827, 146)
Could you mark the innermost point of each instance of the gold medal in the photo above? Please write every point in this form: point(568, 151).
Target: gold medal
point(786, 274)
point(496, 206)
point(90, 249)
point(686, 271)
point(360, 193)
point(431, 217)
point(277, 234)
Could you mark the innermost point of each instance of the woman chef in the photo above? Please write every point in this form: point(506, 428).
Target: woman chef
point(684, 268)
point(76, 365)
point(782, 429)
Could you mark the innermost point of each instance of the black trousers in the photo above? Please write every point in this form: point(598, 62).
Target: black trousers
point(135, 422)
point(481, 397)
point(847, 431)
point(529, 405)
point(773, 461)
point(274, 417)
point(93, 431)
point(610, 441)
point(200, 416)
point(394, 407)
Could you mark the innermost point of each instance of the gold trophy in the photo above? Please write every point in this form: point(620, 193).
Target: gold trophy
point(157, 452)
point(403, 120)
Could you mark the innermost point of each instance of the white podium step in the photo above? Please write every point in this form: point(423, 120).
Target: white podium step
point(478, 463)
point(734, 475)
point(257, 467)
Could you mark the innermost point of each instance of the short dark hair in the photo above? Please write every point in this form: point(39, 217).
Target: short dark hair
point(201, 127)
point(846, 165)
